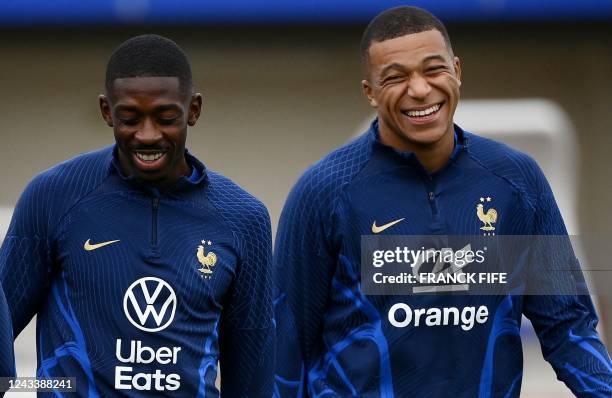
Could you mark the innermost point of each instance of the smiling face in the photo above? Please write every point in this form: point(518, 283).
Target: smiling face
point(413, 82)
point(149, 116)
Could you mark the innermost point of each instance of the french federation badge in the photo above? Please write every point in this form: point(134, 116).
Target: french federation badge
point(207, 260)
point(488, 218)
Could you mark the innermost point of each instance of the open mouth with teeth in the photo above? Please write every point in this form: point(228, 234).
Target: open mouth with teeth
point(149, 157)
point(424, 115)
point(149, 160)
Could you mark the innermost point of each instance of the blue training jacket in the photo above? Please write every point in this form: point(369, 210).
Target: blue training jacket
point(7, 357)
point(334, 340)
point(141, 292)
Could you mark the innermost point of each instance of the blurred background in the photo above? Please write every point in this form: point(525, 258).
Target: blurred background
point(281, 86)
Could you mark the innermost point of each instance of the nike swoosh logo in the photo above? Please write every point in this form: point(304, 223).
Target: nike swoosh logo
point(89, 247)
point(376, 229)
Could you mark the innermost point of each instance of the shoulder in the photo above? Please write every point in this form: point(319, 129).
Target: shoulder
point(53, 192)
point(516, 167)
point(245, 214)
point(322, 182)
point(75, 175)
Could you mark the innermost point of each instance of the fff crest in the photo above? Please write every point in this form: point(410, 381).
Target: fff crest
point(207, 260)
point(488, 217)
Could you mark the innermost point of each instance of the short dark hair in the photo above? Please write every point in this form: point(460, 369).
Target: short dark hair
point(147, 56)
point(397, 22)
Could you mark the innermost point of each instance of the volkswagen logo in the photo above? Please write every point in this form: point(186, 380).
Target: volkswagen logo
point(149, 304)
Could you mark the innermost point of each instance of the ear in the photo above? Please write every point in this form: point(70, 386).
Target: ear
point(195, 108)
point(106, 110)
point(368, 91)
point(457, 65)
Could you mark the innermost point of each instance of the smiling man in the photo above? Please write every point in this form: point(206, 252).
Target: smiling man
point(416, 173)
point(145, 269)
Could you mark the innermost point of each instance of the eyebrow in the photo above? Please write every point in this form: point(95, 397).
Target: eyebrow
point(169, 107)
point(157, 109)
point(395, 65)
point(435, 57)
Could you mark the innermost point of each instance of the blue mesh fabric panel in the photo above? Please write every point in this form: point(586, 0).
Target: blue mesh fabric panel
point(305, 261)
point(565, 325)
point(247, 333)
point(7, 356)
point(25, 258)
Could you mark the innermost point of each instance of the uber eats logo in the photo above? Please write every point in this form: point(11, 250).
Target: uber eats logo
point(150, 305)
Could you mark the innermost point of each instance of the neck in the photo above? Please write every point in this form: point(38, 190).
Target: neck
point(181, 170)
point(433, 156)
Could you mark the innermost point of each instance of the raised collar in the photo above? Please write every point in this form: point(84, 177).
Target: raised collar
point(461, 143)
point(184, 182)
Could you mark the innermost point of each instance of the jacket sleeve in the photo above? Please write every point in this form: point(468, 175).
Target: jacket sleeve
point(247, 329)
point(304, 265)
point(566, 323)
point(25, 260)
point(7, 356)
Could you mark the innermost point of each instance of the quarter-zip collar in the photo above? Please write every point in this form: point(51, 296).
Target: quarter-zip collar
point(183, 183)
point(461, 145)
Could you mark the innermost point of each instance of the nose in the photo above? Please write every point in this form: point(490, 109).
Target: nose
point(148, 133)
point(418, 87)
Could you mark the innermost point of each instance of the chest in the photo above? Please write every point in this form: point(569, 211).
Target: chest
point(458, 202)
point(112, 245)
